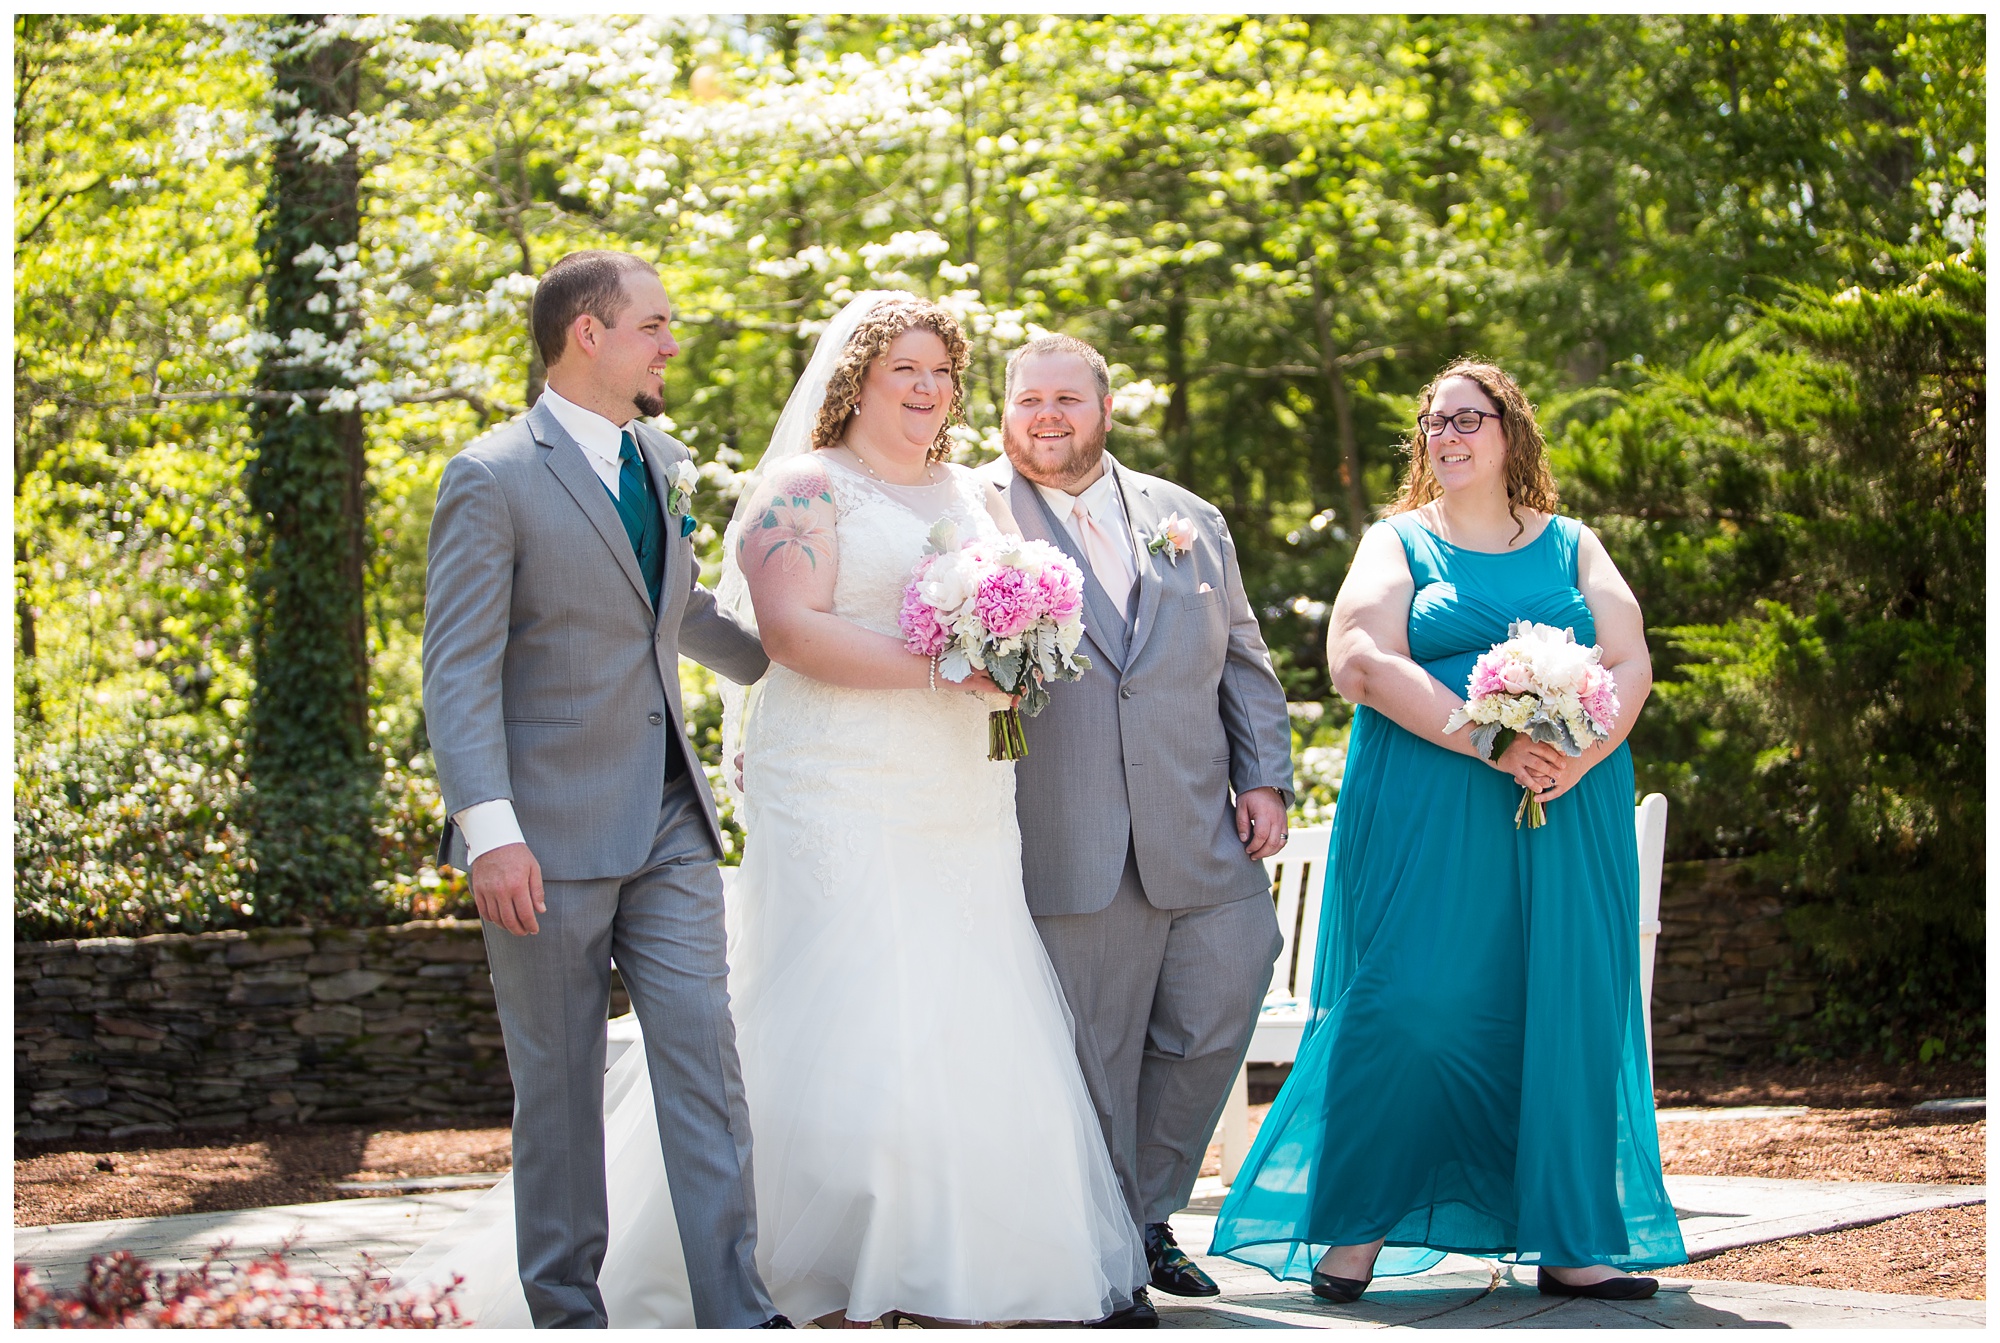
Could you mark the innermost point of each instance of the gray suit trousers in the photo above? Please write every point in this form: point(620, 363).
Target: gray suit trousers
point(1165, 1001)
point(663, 926)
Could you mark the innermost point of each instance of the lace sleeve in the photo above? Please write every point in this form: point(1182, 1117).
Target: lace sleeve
point(971, 503)
point(849, 492)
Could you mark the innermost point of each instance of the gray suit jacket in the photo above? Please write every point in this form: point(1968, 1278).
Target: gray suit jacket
point(1153, 741)
point(548, 677)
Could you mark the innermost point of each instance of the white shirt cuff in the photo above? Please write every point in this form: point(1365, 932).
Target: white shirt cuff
point(487, 825)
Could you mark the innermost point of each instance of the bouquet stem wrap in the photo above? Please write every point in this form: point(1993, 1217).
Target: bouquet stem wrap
point(1006, 739)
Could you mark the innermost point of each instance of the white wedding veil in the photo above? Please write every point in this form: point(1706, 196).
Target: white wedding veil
point(792, 437)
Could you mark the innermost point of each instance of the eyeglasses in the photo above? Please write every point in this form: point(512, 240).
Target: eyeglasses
point(1465, 421)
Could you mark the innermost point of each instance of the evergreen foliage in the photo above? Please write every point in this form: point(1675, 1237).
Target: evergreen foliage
point(1802, 513)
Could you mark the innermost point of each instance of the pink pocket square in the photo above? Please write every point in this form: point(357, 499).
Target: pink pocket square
point(1204, 588)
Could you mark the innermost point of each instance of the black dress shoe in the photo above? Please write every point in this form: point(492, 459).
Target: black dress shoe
point(1624, 1287)
point(1139, 1315)
point(1172, 1271)
point(775, 1322)
point(1340, 1291)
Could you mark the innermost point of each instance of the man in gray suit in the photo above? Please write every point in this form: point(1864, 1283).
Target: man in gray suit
point(1143, 873)
point(561, 595)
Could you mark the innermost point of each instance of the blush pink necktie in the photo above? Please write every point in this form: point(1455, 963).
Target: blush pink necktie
point(1107, 558)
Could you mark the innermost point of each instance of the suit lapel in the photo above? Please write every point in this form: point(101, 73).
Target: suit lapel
point(679, 552)
point(1106, 625)
point(577, 475)
point(1142, 515)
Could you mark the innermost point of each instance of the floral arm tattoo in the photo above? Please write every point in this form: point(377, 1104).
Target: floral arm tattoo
point(787, 530)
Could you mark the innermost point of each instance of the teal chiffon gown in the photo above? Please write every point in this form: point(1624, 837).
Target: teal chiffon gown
point(1474, 1078)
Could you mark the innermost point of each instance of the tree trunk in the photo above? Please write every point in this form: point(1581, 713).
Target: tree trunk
point(1343, 408)
point(311, 772)
point(1177, 428)
point(1350, 451)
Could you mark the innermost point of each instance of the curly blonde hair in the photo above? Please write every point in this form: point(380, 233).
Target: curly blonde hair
point(1529, 483)
point(877, 332)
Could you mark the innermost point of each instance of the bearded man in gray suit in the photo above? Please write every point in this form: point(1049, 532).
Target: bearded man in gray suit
point(1151, 792)
point(561, 595)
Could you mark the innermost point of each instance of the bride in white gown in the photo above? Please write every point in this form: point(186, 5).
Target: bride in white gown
point(923, 1141)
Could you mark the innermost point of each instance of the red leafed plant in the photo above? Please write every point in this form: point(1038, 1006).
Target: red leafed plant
point(119, 1291)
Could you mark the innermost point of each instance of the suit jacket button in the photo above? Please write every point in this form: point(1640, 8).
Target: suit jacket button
point(1125, 692)
point(655, 719)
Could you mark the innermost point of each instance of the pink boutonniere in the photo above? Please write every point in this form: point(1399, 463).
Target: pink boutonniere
point(1174, 539)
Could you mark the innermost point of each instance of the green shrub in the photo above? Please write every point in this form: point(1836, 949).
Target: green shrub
point(140, 831)
point(1801, 512)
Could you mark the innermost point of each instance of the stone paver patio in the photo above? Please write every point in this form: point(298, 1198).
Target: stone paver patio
point(1460, 1293)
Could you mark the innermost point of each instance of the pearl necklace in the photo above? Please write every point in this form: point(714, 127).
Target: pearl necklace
point(928, 479)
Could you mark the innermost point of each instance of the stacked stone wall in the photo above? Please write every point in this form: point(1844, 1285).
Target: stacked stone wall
point(118, 1036)
point(1728, 985)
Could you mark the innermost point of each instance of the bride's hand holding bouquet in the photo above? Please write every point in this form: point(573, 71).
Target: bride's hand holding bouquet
point(1005, 611)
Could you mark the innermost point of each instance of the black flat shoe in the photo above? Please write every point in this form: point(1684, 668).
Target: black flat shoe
point(1624, 1287)
point(1340, 1291)
point(775, 1322)
point(1139, 1315)
point(1172, 1271)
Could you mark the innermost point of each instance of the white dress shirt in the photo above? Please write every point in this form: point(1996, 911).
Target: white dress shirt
point(491, 824)
point(598, 437)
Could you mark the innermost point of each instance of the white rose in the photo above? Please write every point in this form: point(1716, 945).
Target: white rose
point(948, 587)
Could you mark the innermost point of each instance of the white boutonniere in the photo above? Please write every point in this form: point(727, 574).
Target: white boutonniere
point(1174, 539)
point(682, 479)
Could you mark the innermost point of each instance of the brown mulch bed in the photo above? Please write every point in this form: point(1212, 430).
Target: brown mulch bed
point(1866, 1084)
point(1937, 1253)
point(1896, 1146)
point(225, 1169)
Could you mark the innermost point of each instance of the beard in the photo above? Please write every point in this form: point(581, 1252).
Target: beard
point(1082, 460)
point(648, 404)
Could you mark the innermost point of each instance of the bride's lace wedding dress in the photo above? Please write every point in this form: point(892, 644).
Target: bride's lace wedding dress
point(922, 1137)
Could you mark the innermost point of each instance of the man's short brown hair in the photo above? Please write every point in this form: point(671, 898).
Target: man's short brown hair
point(1057, 344)
point(583, 282)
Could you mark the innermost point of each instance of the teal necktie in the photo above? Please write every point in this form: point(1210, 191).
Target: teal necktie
point(639, 510)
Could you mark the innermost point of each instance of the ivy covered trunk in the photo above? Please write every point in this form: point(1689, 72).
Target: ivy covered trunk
point(312, 776)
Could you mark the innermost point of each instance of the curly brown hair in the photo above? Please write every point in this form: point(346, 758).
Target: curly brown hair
point(887, 320)
point(1529, 483)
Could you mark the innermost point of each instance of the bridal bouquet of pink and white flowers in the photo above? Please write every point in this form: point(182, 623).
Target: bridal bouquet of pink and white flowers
point(1008, 607)
point(1544, 683)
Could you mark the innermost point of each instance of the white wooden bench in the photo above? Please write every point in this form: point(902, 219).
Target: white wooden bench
point(1298, 876)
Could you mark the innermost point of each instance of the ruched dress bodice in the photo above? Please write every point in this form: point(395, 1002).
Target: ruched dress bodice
point(1460, 610)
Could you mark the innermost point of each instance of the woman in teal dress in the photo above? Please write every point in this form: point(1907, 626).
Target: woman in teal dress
point(1475, 1078)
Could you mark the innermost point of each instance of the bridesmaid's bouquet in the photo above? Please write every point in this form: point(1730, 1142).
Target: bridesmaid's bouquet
point(1008, 607)
point(1541, 681)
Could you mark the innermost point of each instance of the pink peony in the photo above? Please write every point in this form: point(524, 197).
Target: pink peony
point(1060, 590)
point(1517, 678)
point(922, 634)
point(1486, 676)
point(1600, 696)
point(1006, 601)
